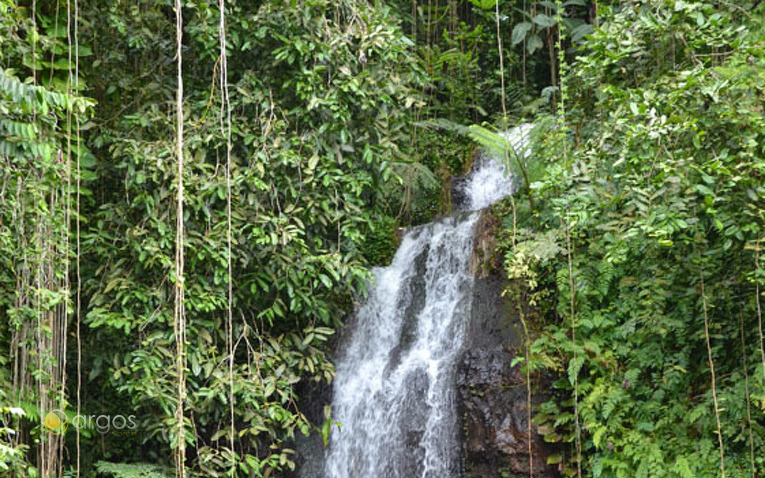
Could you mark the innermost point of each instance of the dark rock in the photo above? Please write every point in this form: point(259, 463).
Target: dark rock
point(309, 456)
point(459, 199)
point(415, 298)
point(491, 394)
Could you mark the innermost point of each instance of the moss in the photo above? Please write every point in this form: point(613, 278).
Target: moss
point(381, 242)
point(487, 255)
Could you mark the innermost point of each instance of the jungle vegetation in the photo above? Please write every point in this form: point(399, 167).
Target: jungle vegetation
point(192, 195)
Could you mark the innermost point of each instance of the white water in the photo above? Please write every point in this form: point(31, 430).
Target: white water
point(394, 393)
point(482, 185)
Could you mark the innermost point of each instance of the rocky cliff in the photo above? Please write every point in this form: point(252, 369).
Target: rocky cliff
point(492, 395)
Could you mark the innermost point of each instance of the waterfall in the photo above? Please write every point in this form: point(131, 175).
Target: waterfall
point(394, 394)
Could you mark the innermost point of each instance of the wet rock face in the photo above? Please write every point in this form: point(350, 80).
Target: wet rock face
point(491, 394)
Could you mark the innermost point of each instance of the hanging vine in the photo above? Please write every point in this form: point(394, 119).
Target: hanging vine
point(179, 315)
point(226, 130)
point(745, 364)
point(713, 378)
point(757, 296)
point(78, 272)
point(576, 361)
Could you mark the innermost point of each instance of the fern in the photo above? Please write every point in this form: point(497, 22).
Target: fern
point(22, 94)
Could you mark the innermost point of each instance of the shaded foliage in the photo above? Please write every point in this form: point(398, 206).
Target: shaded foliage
point(657, 174)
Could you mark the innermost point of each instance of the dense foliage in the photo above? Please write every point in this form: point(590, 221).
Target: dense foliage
point(315, 131)
point(636, 236)
point(649, 232)
point(317, 124)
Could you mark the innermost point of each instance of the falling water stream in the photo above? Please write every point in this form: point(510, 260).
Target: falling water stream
point(394, 395)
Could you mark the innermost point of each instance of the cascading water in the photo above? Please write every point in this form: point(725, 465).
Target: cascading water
point(394, 394)
point(484, 185)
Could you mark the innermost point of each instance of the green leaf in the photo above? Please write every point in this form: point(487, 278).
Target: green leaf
point(520, 31)
point(325, 280)
point(578, 33)
point(574, 366)
point(534, 43)
point(484, 4)
point(598, 436)
point(544, 21)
